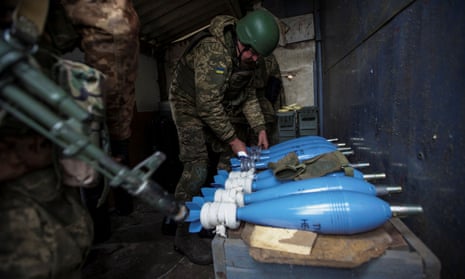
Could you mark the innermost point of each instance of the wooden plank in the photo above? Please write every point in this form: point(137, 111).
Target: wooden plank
point(279, 239)
point(346, 251)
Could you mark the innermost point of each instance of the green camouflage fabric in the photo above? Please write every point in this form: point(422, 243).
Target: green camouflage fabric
point(208, 90)
point(45, 232)
point(83, 83)
point(290, 167)
point(109, 33)
point(193, 177)
point(267, 67)
point(199, 95)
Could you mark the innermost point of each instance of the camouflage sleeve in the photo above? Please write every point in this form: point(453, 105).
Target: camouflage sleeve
point(211, 69)
point(252, 111)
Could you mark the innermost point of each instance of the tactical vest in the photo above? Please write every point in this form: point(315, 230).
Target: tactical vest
point(186, 82)
point(234, 92)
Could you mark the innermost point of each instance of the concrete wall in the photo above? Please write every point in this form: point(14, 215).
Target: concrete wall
point(296, 55)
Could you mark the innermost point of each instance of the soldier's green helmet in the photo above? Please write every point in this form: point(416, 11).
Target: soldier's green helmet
point(259, 30)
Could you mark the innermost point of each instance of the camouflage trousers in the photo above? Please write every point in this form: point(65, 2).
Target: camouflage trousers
point(110, 42)
point(193, 154)
point(199, 151)
point(45, 232)
point(194, 142)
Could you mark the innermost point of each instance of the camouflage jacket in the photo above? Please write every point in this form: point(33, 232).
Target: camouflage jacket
point(267, 69)
point(273, 71)
point(205, 83)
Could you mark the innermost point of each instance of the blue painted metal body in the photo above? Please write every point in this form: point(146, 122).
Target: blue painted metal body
point(299, 149)
point(259, 175)
point(302, 154)
point(357, 174)
point(268, 180)
point(263, 174)
point(272, 181)
point(312, 185)
point(329, 212)
point(296, 143)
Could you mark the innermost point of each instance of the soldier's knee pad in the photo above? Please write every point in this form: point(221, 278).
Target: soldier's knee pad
point(192, 179)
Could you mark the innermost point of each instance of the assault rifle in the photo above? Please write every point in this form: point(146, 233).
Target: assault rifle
point(30, 96)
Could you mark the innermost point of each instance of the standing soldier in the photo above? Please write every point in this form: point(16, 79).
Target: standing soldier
point(211, 85)
point(109, 33)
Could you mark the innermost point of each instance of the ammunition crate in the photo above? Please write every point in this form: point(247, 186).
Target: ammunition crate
point(292, 124)
point(308, 121)
point(231, 260)
point(287, 125)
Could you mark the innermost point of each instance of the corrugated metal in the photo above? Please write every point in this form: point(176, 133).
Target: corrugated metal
point(164, 21)
point(393, 89)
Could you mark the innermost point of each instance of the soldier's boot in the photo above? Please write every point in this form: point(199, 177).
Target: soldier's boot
point(196, 249)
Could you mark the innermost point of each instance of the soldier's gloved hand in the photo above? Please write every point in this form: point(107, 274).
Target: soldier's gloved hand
point(237, 146)
point(263, 139)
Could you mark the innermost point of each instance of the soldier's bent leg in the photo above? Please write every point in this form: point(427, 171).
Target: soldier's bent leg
point(197, 250)
point(192, 179)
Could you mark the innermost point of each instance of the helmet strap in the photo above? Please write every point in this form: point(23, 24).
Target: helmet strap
point(241, 52)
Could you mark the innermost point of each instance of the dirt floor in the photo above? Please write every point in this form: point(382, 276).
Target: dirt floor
point(138, 249)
